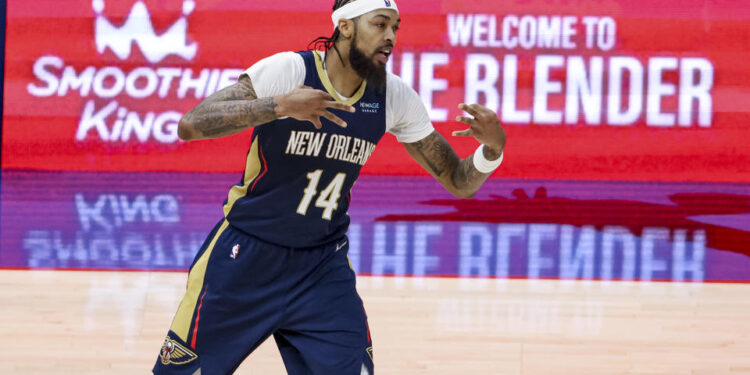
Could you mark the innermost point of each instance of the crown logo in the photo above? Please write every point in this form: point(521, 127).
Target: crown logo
point(139, 29)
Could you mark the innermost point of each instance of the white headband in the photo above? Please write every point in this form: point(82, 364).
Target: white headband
point(359, 7)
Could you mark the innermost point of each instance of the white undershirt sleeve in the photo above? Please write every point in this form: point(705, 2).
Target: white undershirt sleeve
point(277, 75)
point(406, 115)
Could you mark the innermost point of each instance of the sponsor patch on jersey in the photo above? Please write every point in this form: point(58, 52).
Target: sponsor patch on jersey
point(369, 107)
point(174, 353)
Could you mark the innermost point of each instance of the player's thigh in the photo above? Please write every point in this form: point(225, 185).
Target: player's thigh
point(308, 352)
point(328, 324)
point(232, 304)
point(293, 360)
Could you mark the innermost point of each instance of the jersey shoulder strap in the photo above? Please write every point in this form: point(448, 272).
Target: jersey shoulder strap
point(312, 76)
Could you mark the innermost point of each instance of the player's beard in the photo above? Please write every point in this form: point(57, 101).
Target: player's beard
point(365, 66)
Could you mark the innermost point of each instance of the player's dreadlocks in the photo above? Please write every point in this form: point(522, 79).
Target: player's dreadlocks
point(326, 43)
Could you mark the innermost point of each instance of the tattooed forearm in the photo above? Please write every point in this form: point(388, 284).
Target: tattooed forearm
point(223, 118)
point(466, 177)
point(436, 153)
point(457, 175)
point(226, 112)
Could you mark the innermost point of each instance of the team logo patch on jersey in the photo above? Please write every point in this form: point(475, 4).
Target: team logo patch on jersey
point(369, 352)
point(174, 353)
point(235, 251)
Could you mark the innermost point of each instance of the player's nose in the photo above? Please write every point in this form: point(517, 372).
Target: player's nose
point(390, 36)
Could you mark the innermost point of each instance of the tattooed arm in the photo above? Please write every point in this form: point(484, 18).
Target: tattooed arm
point(228, 111)
point(236, 108)
point(458, 175)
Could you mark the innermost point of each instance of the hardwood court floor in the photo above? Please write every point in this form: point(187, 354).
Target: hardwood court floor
point(68, 322)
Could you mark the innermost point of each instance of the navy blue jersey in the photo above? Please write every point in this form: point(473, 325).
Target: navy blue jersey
point(295, 190)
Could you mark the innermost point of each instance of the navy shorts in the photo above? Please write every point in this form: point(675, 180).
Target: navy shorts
point(241, 290)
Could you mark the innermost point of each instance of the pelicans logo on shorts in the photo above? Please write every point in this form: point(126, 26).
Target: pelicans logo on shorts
point(174, 353)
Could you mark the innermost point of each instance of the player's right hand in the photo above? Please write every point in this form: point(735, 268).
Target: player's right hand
point(308, 104)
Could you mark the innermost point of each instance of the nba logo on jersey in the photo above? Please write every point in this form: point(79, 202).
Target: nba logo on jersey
point(387, 3)
point(235, 251)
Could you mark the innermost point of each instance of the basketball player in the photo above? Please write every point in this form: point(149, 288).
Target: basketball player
point(276, 264)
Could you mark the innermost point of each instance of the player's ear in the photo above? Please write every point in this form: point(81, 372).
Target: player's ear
point(346, 28)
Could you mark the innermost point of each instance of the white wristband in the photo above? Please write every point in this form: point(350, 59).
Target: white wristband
point(483, 165)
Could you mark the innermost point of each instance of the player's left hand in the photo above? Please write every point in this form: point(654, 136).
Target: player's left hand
point(483, 125)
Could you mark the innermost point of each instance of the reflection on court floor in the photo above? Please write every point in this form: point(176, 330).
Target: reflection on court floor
point(400, 226)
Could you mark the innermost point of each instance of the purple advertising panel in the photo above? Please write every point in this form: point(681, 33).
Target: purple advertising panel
point(698, 232)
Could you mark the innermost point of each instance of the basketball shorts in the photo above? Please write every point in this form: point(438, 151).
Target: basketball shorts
point(242, 290)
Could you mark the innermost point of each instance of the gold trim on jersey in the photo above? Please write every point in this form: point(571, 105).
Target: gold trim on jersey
point(181, 322)
point(252, 169)
point(329, 86)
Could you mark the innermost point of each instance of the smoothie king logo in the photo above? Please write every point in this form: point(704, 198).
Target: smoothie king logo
point(103, 117)
point(138, 29)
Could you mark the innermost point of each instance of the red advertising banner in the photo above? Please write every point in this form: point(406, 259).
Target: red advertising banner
point(600, 90)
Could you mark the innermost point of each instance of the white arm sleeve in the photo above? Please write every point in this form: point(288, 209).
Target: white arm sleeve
point(277, 75)
point(406, 115)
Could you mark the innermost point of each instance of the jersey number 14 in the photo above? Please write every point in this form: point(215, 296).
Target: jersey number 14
point(328, 198)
